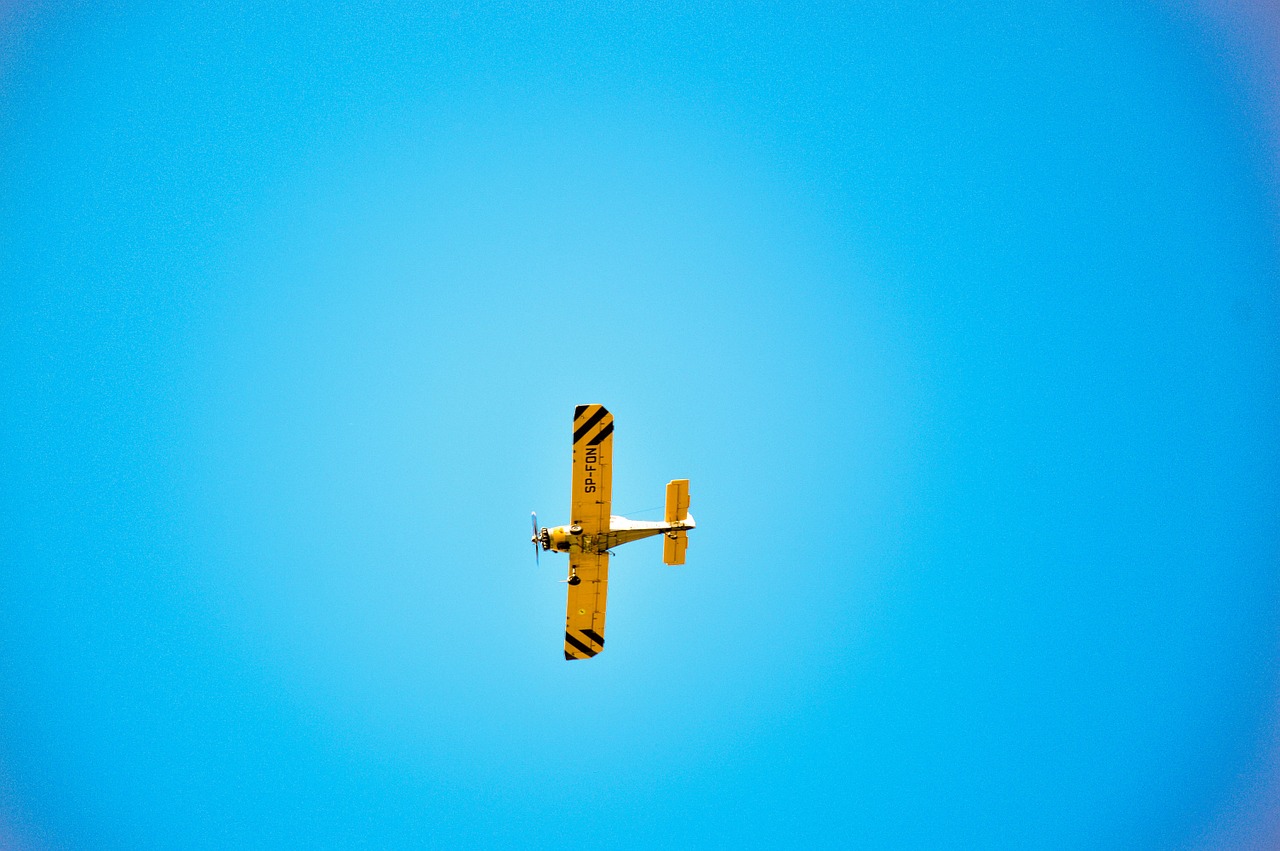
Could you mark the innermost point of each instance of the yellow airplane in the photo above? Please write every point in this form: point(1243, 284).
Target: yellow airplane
point(592, 532)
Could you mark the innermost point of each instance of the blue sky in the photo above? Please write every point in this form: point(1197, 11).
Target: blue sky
point(962, 323)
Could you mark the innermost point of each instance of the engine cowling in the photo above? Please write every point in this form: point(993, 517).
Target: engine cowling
point(558, 539)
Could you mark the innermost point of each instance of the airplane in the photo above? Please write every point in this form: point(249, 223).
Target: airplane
point(592, 532)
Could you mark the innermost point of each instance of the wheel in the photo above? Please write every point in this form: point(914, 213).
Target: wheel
point(575, 579)
point(575, 529)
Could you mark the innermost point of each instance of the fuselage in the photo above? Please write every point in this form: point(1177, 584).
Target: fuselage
point(563, 539)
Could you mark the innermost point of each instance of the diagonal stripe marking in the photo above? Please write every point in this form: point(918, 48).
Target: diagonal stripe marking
point(589, 424)
point(594, 636)
point(579, 411)
point(604, 432)
point(578, 645)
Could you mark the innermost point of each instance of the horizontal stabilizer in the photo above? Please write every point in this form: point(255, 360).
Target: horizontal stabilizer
point(673, 547)
point(677, 500)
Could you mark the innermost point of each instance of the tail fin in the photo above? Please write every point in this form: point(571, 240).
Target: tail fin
point(675, 542)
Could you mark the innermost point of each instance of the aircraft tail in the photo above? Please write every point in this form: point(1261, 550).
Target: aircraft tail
point(677, 500)
point(675, 542)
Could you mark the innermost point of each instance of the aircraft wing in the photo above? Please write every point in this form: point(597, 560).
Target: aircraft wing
point(584, 619)
point(592, 468)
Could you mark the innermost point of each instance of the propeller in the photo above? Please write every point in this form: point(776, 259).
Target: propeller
point(537, 545)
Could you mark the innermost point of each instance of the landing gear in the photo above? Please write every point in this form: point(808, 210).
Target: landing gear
point(574, 579)
point(575, 529)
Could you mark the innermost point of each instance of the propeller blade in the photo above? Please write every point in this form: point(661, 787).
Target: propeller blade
point(537, 549)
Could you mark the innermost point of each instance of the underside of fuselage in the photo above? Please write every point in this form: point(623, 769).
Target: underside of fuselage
point(571, 539)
